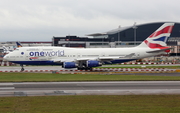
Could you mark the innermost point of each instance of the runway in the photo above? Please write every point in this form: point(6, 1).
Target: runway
point(90, 88)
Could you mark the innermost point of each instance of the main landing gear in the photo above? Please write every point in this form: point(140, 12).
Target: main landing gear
point(85, 68)
point(22, 68)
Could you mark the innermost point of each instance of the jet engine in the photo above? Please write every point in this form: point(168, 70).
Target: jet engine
point(93, 63)
point(69, 65)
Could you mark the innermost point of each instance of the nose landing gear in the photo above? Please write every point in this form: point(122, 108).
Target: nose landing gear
point(22, 68)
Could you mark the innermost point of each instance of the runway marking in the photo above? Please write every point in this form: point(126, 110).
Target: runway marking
point(2, 88)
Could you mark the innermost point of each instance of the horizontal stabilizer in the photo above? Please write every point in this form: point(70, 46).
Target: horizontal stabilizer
point(156, 51)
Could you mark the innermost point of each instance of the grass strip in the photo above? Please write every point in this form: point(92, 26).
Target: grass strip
point(142, 66)
point(49, 77)
point(92, 104)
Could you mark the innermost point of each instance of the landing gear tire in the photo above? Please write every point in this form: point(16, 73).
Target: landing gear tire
point(80, 68)
point(91, 69)
point(88, 68)
point(85, 68)
point(22, 68)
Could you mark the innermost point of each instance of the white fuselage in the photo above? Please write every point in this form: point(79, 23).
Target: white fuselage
point(43, 55)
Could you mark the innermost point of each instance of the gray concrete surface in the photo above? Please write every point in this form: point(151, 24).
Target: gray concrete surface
point(90, 88)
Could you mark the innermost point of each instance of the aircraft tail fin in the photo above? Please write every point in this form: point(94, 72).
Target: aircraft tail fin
point(6, 50)
point(158, 39)
point(18, 44)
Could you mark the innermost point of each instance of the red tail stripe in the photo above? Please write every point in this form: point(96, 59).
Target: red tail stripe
point(154, 46)
point(167, 51)
point(167, 29)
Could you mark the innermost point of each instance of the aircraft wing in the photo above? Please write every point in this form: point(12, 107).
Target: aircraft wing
point(62, 60)
point(72, 60)
point(94, 58)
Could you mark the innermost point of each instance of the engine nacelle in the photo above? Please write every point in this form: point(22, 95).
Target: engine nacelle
point(93, 63)
point(69, 65)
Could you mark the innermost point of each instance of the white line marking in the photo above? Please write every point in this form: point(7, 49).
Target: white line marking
point(6, 88)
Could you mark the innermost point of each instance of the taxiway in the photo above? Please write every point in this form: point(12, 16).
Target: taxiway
point(90, 88)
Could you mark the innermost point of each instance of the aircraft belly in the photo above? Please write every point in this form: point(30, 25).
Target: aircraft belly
point(36, 62)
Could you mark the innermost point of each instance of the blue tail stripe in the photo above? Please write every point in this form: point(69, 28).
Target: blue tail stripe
point(163, 39)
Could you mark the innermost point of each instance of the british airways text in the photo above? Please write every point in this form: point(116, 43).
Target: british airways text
point(48, 53)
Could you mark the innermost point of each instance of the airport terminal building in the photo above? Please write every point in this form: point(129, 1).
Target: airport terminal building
point(121, 37)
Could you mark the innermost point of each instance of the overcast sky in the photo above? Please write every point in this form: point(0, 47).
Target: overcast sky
point(40, 20)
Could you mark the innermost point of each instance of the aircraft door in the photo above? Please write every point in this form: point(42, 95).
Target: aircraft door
point(103, 55)
point(137, 55)
point(27, 56)
point(78, 55)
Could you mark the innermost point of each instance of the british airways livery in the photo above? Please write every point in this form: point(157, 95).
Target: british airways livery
point(87, 58)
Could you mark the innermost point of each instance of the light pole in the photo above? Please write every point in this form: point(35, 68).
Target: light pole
point(119, 34)
point(134, 27)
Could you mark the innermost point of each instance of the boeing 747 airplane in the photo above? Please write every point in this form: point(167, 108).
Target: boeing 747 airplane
point(87, 58)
